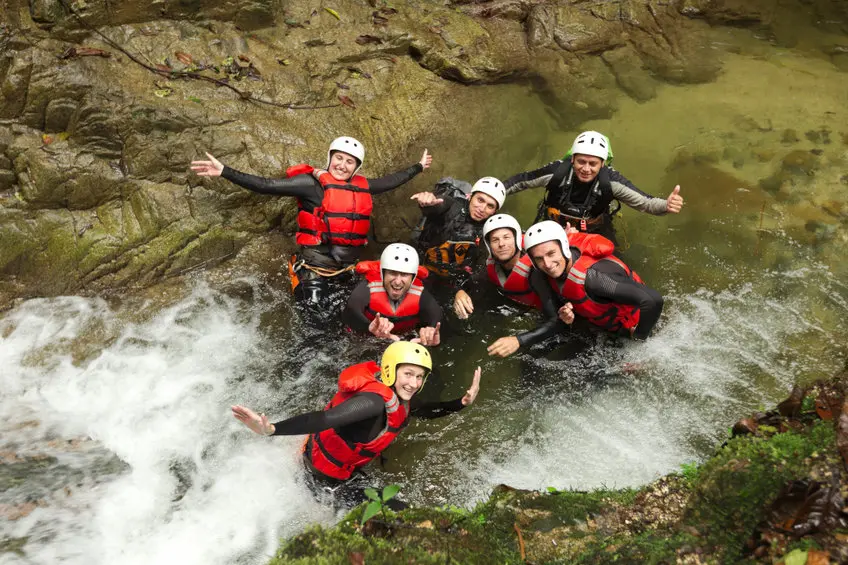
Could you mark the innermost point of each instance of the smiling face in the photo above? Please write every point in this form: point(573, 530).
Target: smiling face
point(502, 244)
point(548, 258)
point(481, 206)
point(342, 165)
point(396, 283)
point(410, 378)
point(586, 167)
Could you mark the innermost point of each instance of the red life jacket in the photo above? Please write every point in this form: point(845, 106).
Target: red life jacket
point(344, 216)
point(517, 284)
point(610, 316)
point(330, 454)
point(407, 314)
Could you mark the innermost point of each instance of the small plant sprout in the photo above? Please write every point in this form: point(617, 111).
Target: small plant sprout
point(378, 502)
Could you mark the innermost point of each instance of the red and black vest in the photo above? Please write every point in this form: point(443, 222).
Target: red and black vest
point(517, 285)
point(407, 314)
point(330, 454)
point(610, 316)
point(344, 216)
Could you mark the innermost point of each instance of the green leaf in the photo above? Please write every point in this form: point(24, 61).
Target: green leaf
point(372, 494)
point(163, 92)
point(390, 492)
point(795, 557)
point(334, 13)
point(552, 490)
point(194, 99)
point(371, 510)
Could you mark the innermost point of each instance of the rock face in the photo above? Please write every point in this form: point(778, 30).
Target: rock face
point(98, 121)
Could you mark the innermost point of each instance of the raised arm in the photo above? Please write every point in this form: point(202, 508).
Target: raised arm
point(626, 192)
point(359, 407)
point(299, 186)
point(531, 179)
point(394, 180)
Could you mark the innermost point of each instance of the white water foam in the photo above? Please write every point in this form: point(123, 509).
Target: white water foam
point(196, 487)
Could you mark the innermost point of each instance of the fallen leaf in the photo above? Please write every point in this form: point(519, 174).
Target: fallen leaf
point(815, 557)
point(291, 22)
point(387, 11)
point(284, 62)
point(194, 99)
point(823, 410)
point(378, 118)
point(791, 407)
point(318, 43)
point(366, 75)
point(342, 86)
point(92, 52)
point(379, 20)
point(356, 558)
point(346, 101)
point(163, 68)
point(183, 58)
point(163, 92)
point(333, 13)
point(745, 426)
point(46, 139)
point(313, 14)
point(243, 58)
point(366, 39)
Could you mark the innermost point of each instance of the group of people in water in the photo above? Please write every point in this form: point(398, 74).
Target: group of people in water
point(563, 266)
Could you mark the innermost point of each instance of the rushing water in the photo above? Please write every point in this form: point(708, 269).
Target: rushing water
point(118, 447)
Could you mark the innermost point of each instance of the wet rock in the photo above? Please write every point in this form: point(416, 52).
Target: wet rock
point(736, 12)
point(579, 30)
point(789, 136)
point(630, 75)
point(821, 135)
point(540, 26)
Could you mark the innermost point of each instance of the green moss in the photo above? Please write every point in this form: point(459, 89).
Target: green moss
point(737, 486)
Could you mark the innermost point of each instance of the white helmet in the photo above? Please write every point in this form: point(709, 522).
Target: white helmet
point(491, 186)
point(502, 221)
point(545, 231)
point(399, 257)
point(591, 143)
point(347, 145)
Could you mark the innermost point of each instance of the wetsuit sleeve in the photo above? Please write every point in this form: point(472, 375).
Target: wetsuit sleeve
point(354, 312)
point(431, 312)
point(434, 410)
point(394, 180)
point(438, 209)
point(531, 179)
point(626, 192)
point(299, 186)
point(609, 282)
point(550, 308)
point(358, 407)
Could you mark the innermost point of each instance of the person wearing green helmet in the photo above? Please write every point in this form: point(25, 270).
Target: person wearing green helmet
point(373, 404)
point(580, 188)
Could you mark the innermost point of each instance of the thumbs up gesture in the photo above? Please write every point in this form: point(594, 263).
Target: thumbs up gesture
point(674, 202)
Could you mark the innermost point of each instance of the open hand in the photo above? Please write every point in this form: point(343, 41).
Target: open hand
point(382, 328)
point(426, 159)
point(210, 168)
point(674, 202)
point(462, 305)
point(425, 199)
point(258, 423)
point(504, 347)
point(566, 313)
point(471, 393)
point(428, 336)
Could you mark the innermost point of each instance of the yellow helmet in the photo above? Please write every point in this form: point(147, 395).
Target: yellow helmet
point(401, 352)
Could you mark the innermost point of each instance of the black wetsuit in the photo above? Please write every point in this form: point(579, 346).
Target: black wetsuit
point(359, 419)
point(571, 196)
point(606, 282)
point(429, 311)
point(318, 294)
point(450, 221)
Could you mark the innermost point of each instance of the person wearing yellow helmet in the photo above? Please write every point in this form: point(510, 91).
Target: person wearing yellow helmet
point(373, 404)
